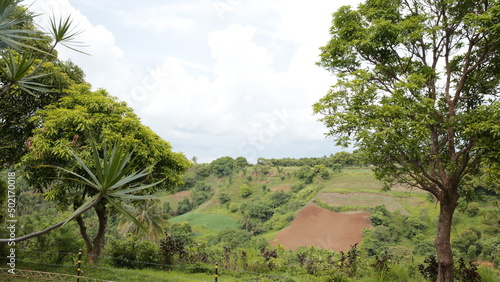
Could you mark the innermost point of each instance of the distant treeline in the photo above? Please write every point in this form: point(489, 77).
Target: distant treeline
point(345, 159)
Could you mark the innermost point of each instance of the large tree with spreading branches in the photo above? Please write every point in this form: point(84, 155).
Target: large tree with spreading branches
point(414, 79)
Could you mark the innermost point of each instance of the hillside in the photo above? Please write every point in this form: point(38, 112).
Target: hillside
point(275, 222)
point(334, 212)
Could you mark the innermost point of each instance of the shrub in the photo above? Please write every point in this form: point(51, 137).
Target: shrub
point(401, 253)
point(306, 174)
point(381, 216)
point(430, 268)
point(245, 191)
point(224, 198)
point(473, 209)
point(231, 238)
point(184, 206)
point(279, 198)
point(234, 207)
point(171, 246)
point(466, 271)
point(297, 187)
point(466, 239)
point(258, 210)
point(424, 248)
point(130, 252)
point(413, 226)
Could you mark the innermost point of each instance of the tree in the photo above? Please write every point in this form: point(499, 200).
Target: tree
point(241, 162)
point(31, 75)
point(223, 166)
point(412, 79)
point(66, 124)
point(184, 206)
point(245, 190)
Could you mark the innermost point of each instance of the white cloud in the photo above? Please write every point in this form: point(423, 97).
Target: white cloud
point(159, 19)
point(245, 98)
point(105, 64)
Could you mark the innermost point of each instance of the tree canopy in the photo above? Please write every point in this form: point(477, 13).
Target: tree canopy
point(413, 78)
point(67, 123)
point(31, 75)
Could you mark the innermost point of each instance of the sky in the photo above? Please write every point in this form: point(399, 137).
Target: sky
point(213, 78)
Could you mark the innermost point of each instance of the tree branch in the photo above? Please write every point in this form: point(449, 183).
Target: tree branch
point(55, 226)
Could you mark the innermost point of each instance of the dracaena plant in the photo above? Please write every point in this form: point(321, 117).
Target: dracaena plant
point(112, 178)
point(21, 70)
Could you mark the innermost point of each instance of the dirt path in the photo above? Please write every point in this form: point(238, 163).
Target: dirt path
point(323, 228)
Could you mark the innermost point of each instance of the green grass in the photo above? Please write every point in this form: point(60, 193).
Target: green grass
point(354, 179)
point(120, 274)
point(215, 222)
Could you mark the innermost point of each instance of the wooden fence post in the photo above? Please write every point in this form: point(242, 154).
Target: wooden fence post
point(79, 265)
point(216, 271)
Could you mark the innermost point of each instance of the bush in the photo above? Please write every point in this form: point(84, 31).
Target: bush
point(224, 198)
point(473, 209)
point(401, 253)
point(467, 271)
point(231, 238)
point(424, 248)
point(466, 239)
point(279, 198)
point(130, 252)
point(278, 222)
point(184, 206)
point(381, 216)
point(257, 210)
point(430, 268)
point(413, 226)
point(234, 207)
point(306, 174)
point(245, 191)
point(199, 197)
point(297, 187)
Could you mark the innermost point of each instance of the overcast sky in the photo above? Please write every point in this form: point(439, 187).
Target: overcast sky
point(213, 78)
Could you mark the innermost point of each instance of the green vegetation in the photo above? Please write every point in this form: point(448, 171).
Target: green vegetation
point(416, 93)
point(215, 222)
point(115, 197)
point(238, 240)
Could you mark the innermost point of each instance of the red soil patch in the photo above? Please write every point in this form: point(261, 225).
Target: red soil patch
point(320, 227)
point(285, 188)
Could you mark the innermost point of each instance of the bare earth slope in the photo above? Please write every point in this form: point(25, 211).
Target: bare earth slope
point(320, 227)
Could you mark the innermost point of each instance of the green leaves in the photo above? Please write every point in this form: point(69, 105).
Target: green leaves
point(417, 94)
point(63, 32)
point(111, 176)
point(11, 36)
point(17, 32)
point(18, 70)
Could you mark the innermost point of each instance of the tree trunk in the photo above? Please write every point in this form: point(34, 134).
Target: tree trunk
point(443, 238)
point(98, 243)
point(83, 232)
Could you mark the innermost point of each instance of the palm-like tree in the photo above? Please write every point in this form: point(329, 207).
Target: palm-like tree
point(109, 180)
point(151, 216)
point(20, 68)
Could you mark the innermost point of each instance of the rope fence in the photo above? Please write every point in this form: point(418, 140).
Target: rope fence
point(50, 276)
point(62, 271)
